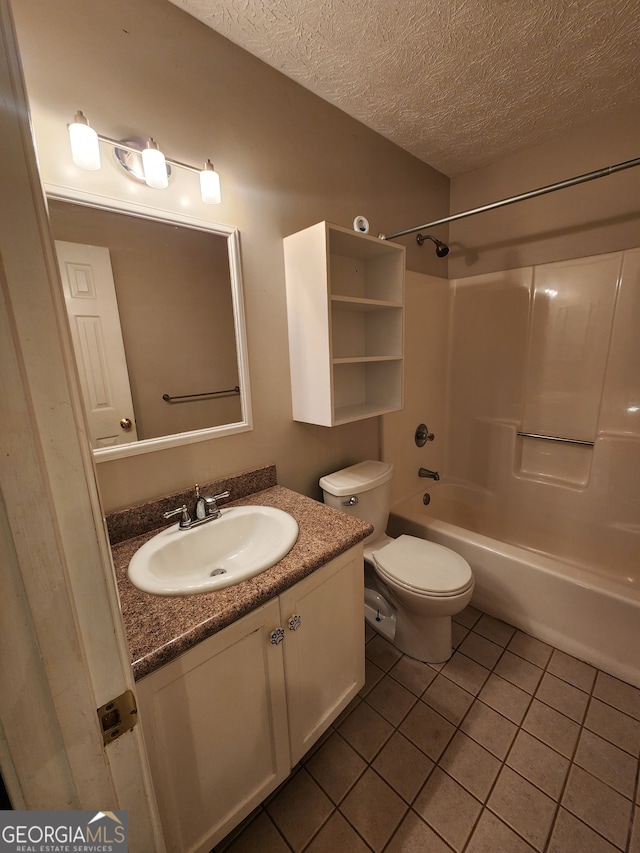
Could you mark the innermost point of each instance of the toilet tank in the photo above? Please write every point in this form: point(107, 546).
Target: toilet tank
point(370, 483)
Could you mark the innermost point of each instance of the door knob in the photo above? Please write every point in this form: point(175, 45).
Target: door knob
point(126, 423)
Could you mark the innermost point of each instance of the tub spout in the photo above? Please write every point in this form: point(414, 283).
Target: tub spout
point(425, 472)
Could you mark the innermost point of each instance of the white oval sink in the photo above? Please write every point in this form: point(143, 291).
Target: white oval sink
point(241, 543)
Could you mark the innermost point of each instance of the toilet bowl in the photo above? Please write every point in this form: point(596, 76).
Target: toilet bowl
point(428, 584)
point(413, 587)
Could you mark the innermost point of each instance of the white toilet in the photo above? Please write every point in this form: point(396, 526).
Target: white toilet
point(412, 586)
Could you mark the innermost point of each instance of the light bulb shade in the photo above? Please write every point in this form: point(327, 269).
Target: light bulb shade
point(85, 148)
point(210, 184)
point(155, 166)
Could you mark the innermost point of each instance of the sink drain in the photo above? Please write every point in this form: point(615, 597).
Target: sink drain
point(216, 572)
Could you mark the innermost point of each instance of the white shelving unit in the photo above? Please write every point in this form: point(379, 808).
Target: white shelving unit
point(345, 307)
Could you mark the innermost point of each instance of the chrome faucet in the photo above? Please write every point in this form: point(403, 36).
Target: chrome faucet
point(205, 509)
point(425, 472)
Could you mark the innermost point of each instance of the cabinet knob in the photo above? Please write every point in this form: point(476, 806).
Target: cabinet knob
point(295, 622)
point(277, 636)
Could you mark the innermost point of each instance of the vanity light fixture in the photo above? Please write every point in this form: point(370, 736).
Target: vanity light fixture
point(142, 161)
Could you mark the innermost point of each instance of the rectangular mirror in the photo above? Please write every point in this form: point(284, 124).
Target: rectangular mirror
point(157, 322)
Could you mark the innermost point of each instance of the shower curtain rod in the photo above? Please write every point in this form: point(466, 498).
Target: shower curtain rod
point(561, 185)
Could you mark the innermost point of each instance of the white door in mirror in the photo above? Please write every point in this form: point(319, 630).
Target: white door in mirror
point(92, 306)
point(241, 543)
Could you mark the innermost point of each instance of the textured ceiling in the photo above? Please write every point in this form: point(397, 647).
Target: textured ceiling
point(458, 83)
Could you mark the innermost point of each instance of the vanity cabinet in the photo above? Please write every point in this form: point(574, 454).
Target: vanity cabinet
point(345, 309)
point(225, 722)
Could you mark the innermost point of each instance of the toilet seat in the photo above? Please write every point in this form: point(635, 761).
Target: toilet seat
point(423, 567)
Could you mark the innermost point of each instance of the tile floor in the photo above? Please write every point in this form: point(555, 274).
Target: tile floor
point(510, 747)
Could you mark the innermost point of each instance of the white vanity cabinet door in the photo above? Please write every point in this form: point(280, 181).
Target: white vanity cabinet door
point(323, 620)
point(215, 724)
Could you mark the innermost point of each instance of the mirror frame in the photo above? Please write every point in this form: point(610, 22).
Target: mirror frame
point(118, 205)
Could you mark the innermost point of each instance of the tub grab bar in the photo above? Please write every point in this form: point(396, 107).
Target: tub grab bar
point(179, 398)
point(556, 438)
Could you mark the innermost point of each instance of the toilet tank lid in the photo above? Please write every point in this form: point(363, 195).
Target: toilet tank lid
point(357, 478)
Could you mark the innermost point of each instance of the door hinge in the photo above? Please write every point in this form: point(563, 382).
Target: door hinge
point(118, 716)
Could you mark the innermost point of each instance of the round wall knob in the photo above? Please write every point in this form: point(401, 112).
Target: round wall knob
point(423, 435)
point(126, 423)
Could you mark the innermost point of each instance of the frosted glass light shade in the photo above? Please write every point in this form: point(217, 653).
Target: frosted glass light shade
point(85, 148)
point(155, 166)
point(210, 184)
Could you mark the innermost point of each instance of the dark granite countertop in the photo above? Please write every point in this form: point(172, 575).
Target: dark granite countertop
point(160, 628)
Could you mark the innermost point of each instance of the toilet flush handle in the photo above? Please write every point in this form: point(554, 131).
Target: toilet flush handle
point(353, 500)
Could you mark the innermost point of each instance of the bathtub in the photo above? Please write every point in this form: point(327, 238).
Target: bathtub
point(593, 617)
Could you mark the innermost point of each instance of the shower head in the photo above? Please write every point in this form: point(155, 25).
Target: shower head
point(442, 250)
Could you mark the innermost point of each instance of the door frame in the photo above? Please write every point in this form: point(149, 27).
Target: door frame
point(63, 650)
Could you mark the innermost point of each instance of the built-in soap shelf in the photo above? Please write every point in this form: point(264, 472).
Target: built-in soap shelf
point(566, 462)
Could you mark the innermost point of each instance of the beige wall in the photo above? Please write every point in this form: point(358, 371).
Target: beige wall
point(592, 218)
point(286, 159)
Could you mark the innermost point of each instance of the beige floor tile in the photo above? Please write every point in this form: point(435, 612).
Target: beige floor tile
point(372, 675)
point(374, 809)
point(468, 617)
point(599, 806)
point(519, 671)
point(382, 653)
point(427, 730)
point(413, 674)
point(494, 629)
point(458, 633)
point(261, 835)
point(535, 651)
point(552, 727)
point(300, 809)
point(570, 835)
point(448, 808)
point(365, 730)
point(566, 698)
point(391, 700)
point(491, 835)
point(337, 834)
point(481, 650)
point(523, 807)
point(336, 766)
point(607, 762)
point(466, 673)
point(614, 726)
point(506, 698)
point(489, 728)
point(448, 699)
point(570, 669)
point(403, 766)
point(414, 836)
point(620, 695)
point(471, 765)
point(538, 763)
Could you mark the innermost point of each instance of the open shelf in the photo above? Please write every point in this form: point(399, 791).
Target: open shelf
point(345, 308)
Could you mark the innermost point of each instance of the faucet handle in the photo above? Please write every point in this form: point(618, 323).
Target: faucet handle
point(185, 520)
point(212, 503)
